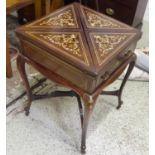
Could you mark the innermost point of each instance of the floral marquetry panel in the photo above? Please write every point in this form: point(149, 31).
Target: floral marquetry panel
point(70, 44)
point(97, 21)
point(65, 18)
point(108, 43)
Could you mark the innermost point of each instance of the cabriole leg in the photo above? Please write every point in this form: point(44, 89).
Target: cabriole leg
point(130, 68)
point(80, 108)
point(88, 108)
point(21, 69)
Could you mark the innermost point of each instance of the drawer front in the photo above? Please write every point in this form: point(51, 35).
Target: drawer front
point(58, 66)
point(109, 69)
point(115, 63)
point(90, 3)
point(130, 3)
point(95, 3)
point(117, 10)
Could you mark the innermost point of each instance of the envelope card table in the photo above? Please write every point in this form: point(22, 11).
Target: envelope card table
point(81, 49)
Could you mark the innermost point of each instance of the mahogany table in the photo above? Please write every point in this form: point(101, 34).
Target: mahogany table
point(79, 49)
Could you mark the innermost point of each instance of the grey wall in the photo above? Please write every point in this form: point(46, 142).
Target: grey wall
point(144, 42)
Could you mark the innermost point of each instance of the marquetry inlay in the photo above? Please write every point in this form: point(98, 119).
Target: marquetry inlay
point(70, 43)
point(64, 19)
point(104, 44)
point(80, 35)
point(95, 20)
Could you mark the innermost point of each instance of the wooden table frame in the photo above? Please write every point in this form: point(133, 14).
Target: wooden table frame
point(89, 100)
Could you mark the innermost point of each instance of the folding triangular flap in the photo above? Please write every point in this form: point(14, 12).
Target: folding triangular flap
point(62, 18)
point(96, 20)
point(106, 44)
point(66, 44)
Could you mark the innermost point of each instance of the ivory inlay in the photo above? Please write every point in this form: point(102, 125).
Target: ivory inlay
point(70, 43)
point(63, 19)
point(95, 20)
point(107, 43)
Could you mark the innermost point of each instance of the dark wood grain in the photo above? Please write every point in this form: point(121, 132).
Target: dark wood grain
point(128, 11)
point(8, 60)
point(62, 65)
point(13, 5)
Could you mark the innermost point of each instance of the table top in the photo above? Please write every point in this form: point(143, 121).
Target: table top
point(12, 5)
point(80, 36)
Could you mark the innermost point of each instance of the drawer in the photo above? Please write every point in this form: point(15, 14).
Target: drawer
point(131, 3)
point(113, 65)
point(90, 3)
point(42, 57)
point(117, 10)
point(108, 71)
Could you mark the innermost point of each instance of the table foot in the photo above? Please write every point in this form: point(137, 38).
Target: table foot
point(27, 111)
point(83, 149)
point(114, 93)
point(119, 104)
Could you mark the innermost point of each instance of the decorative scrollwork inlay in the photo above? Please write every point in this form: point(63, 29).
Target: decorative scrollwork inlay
point(95, 20)
point(63, 19)
point(69, 43)
point(107, 43)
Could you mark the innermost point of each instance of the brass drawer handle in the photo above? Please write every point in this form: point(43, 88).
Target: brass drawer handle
point(118, 62)
point(110, 11)
point(127, 54)
point(105, 76)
